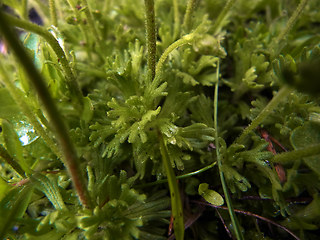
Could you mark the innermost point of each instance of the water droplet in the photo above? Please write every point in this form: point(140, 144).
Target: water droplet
point(173, 141)
point(25, 132)
point(57, 35)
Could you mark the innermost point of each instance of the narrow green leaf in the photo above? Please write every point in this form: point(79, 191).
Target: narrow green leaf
point(176, 205)
point(233, 217)
point(32, 42)
point(52, 235)
point(50, 188)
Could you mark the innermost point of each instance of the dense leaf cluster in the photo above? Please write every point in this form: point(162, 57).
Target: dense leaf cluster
point(122, 116)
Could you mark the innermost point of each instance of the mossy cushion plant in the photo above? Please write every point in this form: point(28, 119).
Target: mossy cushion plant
point(160, 119)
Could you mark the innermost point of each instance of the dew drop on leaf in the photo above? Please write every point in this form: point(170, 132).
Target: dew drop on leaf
point(25, 132)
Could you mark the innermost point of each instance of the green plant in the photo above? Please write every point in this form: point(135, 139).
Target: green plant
point(116, 115)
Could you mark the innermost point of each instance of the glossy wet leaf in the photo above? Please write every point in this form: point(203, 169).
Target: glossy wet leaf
point(32, 42)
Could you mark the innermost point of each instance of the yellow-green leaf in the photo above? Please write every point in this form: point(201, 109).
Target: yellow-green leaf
point(209, 195)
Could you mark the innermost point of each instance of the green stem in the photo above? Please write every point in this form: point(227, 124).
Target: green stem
point(233, 217)
point(217, 25)
point(43, 6)
point(176, 204)
point(283, 93)
point(24, 13)
point(69, 153)
point(151, 38)
point(158, 71)
point(291, 22)
point(28, 26)
point(176, 29)
point(182, 41)
point(20, 99)
point(53, 13)
point(42, 9)
point(188, 15)
point(8, 159)
point(297, 154)
point(178, 177)
point(84, 33)
point(92, 25)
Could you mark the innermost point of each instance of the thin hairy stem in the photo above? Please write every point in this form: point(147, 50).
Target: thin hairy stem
point(182, 41)
point(188, 38)
point(217, 25)
point(52, 41)
point(42, 9)
point(151, 38)
point(92, 25)
point(291, 22)
point(24, 8)
point(176, 26)
point(80, 25)
point(233, 217)
point(69, 153)
point(188, 15)
point(296, 154)
point(280, 96)
point(53, 13)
